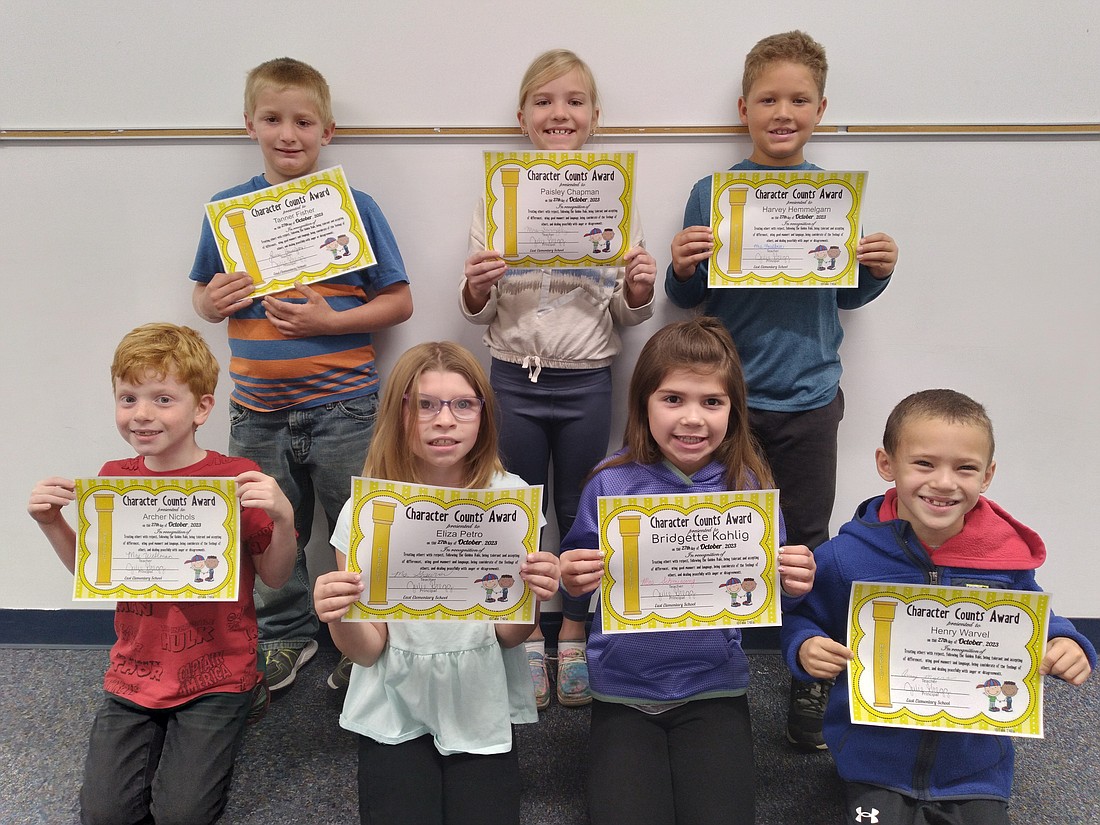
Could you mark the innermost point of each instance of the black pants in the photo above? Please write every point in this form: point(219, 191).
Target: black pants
point(871, 805)
point(801, 449)
point(692, 765)
point(414, 784)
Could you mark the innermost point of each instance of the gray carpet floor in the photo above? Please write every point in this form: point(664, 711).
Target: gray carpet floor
point(298, 765)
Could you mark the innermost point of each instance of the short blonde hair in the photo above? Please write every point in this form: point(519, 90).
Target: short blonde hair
point(389, 456)
point(286, 72)
point(550, 66)
point(155, 351)
point(788, 47)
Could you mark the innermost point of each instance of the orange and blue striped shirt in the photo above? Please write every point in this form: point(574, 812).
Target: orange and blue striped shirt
point(271, 372)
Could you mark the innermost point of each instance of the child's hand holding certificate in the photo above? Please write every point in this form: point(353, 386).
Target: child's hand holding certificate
point(305, 230)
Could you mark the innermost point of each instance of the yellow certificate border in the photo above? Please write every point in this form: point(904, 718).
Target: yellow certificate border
point(623, 161)
point(764, 502)
point(333, 177)
point(1036, 605)
point(366, 490)
point(224, 488)
point(722, 182)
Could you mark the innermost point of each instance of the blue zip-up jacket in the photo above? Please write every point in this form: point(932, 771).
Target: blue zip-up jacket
point(663, 666)
point(922, 764)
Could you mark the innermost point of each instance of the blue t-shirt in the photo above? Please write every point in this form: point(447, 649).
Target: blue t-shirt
point(271, 372)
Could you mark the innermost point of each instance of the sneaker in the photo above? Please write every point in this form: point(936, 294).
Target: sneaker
point(572, 677)
point(261, 698)
point(536, 660)
point(283, 664)
point(341, 674)
point(806, 713)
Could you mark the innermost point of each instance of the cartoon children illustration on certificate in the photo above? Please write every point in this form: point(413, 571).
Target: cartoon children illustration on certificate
point(820, 252)
point(733, 587)
point(197, 563)
point(506, 581)
point(748, 585)
point(211, 565)
point(490, 582)
point(596, 237)
point(992, 689)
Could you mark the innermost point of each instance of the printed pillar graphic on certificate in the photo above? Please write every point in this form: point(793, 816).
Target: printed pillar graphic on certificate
point(737, 227)
point(248, 257)
point(105, 507)
point(510, 180)
point(382, 516)
point(883, 614)
point(629, 529)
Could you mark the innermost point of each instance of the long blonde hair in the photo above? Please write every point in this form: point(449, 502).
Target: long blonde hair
point(704, 346)
point(389, 456)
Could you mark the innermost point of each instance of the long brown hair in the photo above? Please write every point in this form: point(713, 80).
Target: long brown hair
point(704, 346)
point(389, 456)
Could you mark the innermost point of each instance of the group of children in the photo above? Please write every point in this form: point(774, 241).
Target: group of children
point(743, 397)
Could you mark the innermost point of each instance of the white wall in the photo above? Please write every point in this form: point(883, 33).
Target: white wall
point(996, 292)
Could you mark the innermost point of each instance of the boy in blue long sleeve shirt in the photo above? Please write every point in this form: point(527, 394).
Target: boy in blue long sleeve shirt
point(788, 339)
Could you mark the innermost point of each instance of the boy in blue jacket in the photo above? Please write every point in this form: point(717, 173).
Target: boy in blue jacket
point(933, 526)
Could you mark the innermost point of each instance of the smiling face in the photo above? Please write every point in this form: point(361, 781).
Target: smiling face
point(559, 115)
point(441, 443)
point(289, 129)
point(158, 418)
point(688, 417)
point(781, 110)
point(939, 468)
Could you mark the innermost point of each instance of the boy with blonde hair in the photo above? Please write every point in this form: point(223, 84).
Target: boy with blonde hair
point(933, 526)
point(788, 339)
point(163, 743)
point(305, 386)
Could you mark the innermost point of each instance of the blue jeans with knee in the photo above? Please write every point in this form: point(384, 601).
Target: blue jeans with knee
point(563, 419)
point(312, 453)
point(163, 766)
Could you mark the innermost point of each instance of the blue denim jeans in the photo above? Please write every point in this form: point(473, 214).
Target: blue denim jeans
point(312, 453)
point(563, 419)
point(162, 766)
